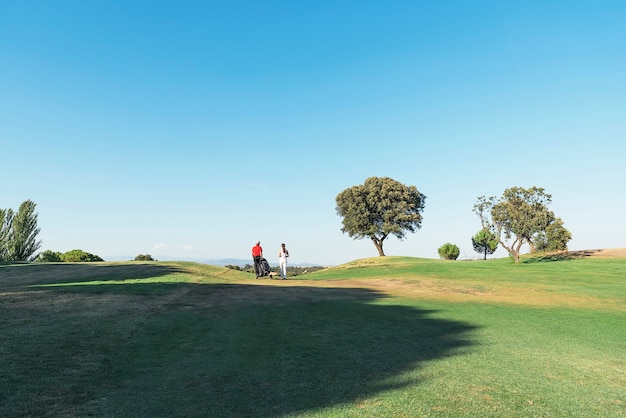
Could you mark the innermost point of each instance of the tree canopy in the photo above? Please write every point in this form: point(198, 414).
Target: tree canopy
point(378, 208)
point(517, 217)
point(554, 238)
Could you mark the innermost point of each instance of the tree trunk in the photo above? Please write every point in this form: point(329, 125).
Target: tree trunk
point(379, 245)
point(517, 249)
point(513, 252)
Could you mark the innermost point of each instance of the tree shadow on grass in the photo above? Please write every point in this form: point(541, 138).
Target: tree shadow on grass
point(560, 256)
point(244, 350)
point(329, 347)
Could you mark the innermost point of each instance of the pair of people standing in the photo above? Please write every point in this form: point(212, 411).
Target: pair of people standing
point(257, 255)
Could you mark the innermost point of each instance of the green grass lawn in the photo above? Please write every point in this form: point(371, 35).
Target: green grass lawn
point(387, 336)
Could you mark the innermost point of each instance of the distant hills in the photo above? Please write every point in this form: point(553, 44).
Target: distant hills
point(228, 262)
point(215, 262)
point(240, 262)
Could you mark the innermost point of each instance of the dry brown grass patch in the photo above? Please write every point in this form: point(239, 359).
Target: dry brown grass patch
point(611, 252)
point(454, 291)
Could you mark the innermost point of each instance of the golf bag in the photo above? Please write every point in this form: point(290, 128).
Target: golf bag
point(264, 268)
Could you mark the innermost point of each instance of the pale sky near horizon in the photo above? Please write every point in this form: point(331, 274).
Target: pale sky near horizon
point(192, 129)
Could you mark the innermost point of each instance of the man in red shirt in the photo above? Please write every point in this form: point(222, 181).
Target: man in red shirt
point(257, 254)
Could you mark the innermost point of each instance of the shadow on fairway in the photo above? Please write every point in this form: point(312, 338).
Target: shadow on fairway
point(232, 350)
point(311, 348)
point(240, 350)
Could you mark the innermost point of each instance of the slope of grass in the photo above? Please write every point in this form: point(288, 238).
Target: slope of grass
point(596, 283)
point(389, 336)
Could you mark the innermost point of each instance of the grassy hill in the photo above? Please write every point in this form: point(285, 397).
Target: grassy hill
point(392, 336)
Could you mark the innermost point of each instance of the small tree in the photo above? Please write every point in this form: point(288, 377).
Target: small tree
point(144, 257)
point(378, 208)
point(449, 251)
point(485, 242)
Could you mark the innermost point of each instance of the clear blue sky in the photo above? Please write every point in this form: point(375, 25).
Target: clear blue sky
point(191, 129)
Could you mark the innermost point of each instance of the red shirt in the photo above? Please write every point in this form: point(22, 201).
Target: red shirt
point(257, 251)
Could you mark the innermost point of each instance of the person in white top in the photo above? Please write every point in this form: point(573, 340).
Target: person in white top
point(283, 254)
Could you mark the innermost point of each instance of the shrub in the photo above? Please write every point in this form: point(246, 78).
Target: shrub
point(449, 251)
point(144, 257)
point(49, 256)
point(232, 267)
point(79, 256)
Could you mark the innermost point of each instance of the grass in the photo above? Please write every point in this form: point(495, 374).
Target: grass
point(390, 336)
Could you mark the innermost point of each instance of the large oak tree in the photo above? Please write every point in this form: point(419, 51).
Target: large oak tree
point(378, 208)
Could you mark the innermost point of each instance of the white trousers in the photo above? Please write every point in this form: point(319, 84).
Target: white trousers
point(283, 269)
